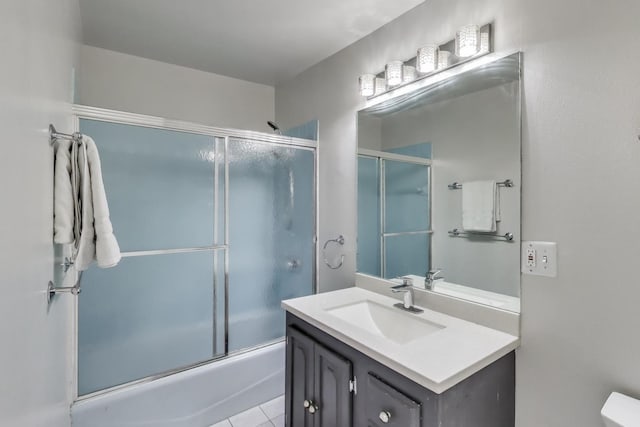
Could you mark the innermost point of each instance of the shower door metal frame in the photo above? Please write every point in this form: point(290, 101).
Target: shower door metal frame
point(382, 157)
point(119, 117)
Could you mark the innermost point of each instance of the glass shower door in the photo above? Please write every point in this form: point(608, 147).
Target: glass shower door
point(394, 223)
point(406, 235)
point(159, 309)
point(369, 241)
point(271, 237)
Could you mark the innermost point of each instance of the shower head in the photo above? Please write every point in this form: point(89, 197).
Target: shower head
point(275, 127)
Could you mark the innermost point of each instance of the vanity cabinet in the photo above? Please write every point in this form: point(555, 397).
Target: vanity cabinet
point(331, 384)
point(318, 376)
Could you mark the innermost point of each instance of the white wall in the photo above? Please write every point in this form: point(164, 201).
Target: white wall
point(580, 178)
point(38, 41)
point(123, 82)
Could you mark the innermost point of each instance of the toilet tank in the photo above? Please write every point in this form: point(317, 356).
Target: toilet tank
point(621, 411)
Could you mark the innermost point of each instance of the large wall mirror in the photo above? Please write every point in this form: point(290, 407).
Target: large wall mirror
point(439, 182)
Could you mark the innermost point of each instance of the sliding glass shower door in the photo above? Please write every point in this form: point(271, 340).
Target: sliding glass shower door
point(271, 254)
point(215, 232)
point(394, 236)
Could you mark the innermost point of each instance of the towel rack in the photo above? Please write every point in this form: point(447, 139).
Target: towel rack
point(339, 241)
point(505, 183)
point(54, 135)
point(461, 233)
point(52, 290)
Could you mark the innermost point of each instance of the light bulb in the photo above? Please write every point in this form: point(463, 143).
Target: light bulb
point(408, 73)
point(393, 73)
point(444, 59)
point(367, 84)
point(427, 59)
point(467, 41)
point(484, 42)
point(381, 86)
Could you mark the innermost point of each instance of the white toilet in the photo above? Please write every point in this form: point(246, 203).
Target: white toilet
point(621, 411)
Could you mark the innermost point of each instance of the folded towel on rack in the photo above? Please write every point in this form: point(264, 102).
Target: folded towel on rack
point(80, 206)
point(63, 205)
point(96, 240)
point(479, 206)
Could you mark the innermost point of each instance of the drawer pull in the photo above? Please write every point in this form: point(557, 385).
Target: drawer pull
point(385, 416)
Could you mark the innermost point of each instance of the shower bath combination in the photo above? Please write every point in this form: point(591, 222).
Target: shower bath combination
point(211, 245)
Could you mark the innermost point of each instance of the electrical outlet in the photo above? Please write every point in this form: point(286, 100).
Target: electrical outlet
point(540, 258)
point(530, 257)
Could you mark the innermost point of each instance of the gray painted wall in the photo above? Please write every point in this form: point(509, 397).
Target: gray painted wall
point(123, 82)
point(38, 41)
point(580, 177)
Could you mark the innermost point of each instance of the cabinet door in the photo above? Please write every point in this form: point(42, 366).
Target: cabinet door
point(386, 406)
point(332, 376)
point(299, 378)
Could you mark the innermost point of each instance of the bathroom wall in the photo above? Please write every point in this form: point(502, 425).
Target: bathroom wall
point(123, 82)
point(38, 41)
point(580, 178)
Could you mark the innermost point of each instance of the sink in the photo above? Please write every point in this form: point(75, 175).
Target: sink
point(388, 322)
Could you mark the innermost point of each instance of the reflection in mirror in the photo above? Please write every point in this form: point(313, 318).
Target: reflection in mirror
point(464, 129)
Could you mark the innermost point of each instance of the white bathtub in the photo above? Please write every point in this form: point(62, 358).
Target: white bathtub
point(197, 397)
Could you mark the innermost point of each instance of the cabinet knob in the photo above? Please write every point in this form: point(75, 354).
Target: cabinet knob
point(310, 406)
point(385, 416)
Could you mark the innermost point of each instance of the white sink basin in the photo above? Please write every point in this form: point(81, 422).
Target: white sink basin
point(388, 322)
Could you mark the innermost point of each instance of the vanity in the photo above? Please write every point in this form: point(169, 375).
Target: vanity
point(427, 153)
point(353, 359)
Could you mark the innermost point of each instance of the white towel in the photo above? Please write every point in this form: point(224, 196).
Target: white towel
point(479, 206)
point(84, 200)
point(63, 205)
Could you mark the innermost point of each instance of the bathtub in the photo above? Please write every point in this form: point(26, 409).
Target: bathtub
point(197, 397)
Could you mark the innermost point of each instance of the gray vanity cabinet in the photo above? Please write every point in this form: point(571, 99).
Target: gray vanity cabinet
point(386, 406)
point(318, 379)
point(331, 384)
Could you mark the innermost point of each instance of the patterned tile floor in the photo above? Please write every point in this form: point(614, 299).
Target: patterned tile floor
point(269, 414)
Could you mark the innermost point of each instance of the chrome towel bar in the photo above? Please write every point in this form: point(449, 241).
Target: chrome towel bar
point(54, 135)
point(505, 183)
point(461, 233)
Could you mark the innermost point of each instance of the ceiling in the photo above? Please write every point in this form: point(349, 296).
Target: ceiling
point(263, 41)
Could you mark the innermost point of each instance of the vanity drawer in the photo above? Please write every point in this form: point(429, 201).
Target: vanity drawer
point(386, 406)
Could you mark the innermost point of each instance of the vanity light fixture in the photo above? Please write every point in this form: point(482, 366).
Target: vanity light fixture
point(409, 73)
point(393, 73)
point(427, 59)
point(467, 41)
point(485, 45)
point(444, 59)
point(381, 85)
point(367, 84)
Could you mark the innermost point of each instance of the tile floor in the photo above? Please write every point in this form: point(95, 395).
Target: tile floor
point(269, 414)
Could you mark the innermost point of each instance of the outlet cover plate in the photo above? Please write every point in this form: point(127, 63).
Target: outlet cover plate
point(545, 258)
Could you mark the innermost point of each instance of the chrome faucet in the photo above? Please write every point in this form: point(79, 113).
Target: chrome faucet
point(407, 289)
point(431, 277)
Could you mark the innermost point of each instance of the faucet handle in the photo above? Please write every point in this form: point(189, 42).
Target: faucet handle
point(433, 273)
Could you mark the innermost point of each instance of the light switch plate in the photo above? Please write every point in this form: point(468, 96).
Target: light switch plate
point(540, 258)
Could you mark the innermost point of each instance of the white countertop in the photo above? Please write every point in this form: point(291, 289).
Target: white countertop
point(436, 361)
